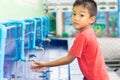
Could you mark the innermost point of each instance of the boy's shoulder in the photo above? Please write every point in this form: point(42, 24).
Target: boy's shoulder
point(87, 31)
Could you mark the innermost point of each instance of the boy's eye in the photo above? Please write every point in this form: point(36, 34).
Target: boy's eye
point(81, 15)
point(73, 14)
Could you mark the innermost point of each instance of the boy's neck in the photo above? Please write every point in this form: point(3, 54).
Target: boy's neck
point(82, 29)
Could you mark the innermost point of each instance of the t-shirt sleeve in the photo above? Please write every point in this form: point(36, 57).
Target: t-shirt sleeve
point(78, 45)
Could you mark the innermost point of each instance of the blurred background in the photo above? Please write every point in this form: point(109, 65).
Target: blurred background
point(50, 26)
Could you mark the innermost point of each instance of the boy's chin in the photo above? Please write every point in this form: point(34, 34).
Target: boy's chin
point(77, 28)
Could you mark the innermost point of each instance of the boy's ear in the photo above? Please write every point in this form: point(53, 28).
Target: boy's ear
point(92, 19)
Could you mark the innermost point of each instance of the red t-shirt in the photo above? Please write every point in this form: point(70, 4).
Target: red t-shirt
point(89, 55)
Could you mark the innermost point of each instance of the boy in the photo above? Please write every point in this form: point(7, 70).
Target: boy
point(85, 47)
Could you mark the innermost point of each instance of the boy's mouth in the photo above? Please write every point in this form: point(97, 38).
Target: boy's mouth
point(75, 24)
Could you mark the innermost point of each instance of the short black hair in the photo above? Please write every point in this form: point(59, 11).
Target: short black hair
point(89, 4)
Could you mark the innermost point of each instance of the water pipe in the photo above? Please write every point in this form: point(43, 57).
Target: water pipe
point(3, 35)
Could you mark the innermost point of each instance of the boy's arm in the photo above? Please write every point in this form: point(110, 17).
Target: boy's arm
point(61, 61)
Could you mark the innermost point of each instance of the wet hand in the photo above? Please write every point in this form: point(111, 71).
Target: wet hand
point(38, 67)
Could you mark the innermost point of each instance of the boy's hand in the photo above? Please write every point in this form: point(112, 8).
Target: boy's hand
point(37, 67)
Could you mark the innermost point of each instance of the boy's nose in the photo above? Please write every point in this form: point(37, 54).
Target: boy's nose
point(76, 18)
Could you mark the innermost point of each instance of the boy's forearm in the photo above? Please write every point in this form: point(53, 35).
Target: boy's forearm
point(58, 62)
point(62, 61)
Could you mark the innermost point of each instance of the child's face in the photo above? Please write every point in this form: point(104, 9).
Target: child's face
point(81, 17)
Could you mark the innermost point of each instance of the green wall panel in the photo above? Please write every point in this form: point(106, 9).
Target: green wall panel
point(20, 9)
